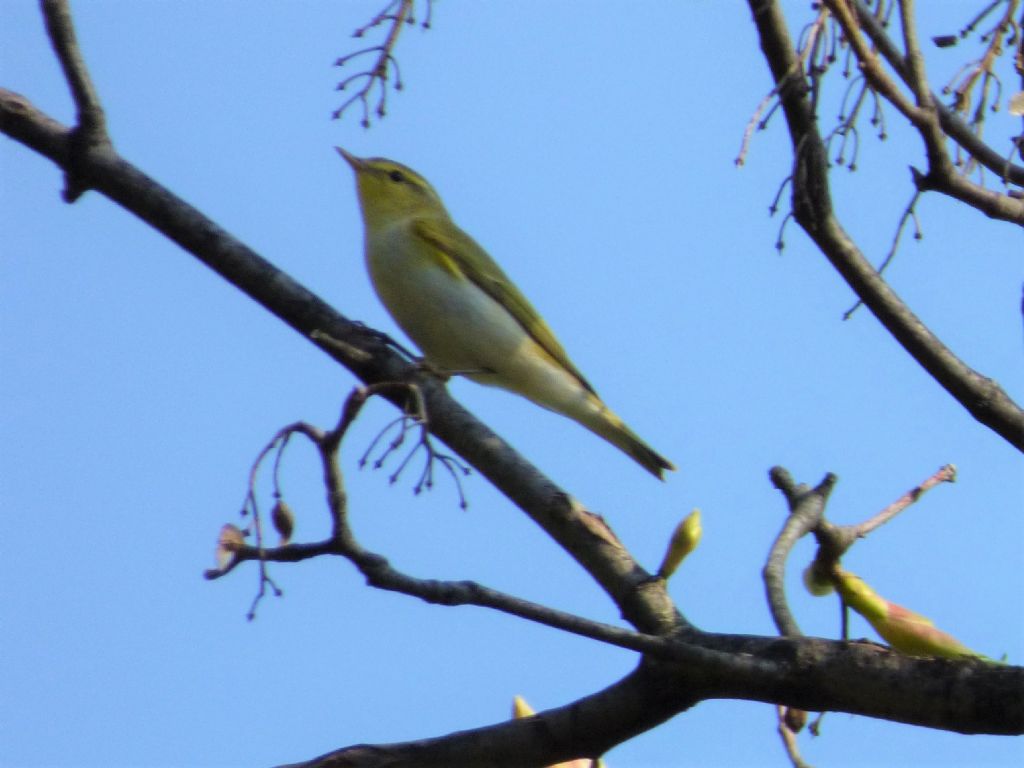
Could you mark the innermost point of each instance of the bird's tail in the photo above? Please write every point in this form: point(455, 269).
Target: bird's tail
point(606, 424)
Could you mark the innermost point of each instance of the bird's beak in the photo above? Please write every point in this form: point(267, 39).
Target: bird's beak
point(352, 160)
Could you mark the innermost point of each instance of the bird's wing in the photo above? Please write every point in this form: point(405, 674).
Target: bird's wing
point(454, 248)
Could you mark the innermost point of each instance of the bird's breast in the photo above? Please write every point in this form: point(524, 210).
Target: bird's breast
point(455, 324)
point(460, 327)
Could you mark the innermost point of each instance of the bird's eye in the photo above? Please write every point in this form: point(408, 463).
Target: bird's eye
point(397, 176)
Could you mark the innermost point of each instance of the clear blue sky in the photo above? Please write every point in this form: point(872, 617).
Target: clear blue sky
point(592, 153)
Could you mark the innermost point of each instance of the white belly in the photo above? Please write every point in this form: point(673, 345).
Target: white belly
point(459, 327)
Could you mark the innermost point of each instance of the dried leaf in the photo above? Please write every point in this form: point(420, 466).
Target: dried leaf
point(1017, 103)
point(230, 540)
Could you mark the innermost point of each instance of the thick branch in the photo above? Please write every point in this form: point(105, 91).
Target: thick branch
point(587, 728)
point(812, 208)
point(807, 673)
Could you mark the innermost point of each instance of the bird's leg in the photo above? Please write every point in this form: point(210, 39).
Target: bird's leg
point(385, 339)
point(444, 374)
point(351, 351)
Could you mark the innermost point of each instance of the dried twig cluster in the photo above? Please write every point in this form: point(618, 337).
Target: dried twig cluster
point(384, 67)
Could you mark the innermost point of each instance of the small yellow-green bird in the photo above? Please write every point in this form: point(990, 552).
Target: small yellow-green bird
point(463, 311)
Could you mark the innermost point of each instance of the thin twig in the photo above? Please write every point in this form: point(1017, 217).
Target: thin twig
point(835, 540)
point(945, 474)
point(61, 30)
point(380, 72)
point(416, 417)
point(788, 736)
point(251, 505)
point(91, 128)
point(755, 121)
point(909, 213)
point(918, 80)
point(374, 567)
point(869, 64)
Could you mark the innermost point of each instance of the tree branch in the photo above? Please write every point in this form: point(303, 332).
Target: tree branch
point(375, 567)
point(92, 122)
point(806, 673)
point(806, 513)
point(581, 534)
point(942, 175)
point(381, 574)
point(951, 123)
point(945, 474)
point(586, 728)
point(932, 120)
point(812, 208)
point(691, 665)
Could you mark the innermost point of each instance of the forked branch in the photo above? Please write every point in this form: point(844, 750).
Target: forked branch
point(813, 210)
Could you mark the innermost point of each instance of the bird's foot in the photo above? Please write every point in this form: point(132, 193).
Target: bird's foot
point(444, 374)
point(385, 339)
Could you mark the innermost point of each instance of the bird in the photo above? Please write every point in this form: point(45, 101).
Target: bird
point(461, 309)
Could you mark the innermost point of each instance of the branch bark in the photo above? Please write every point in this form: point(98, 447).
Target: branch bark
point(807, 673)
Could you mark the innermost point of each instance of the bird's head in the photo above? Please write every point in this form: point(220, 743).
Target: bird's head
point(389, 191)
